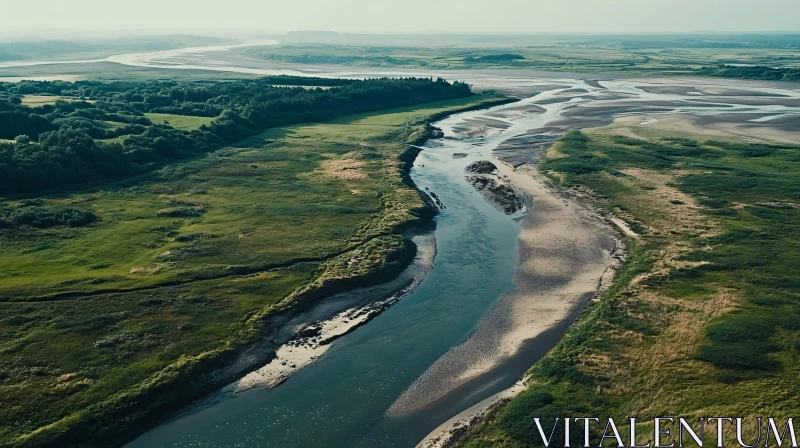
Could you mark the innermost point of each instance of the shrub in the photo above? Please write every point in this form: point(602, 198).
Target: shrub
point(43, 217)
point(180, 212)
point(743, 355)
point(517, 419)
point(735, 328)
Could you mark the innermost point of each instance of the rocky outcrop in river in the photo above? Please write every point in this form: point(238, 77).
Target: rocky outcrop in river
point(482, 175)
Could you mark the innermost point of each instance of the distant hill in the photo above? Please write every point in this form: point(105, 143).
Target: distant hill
point(35, 49)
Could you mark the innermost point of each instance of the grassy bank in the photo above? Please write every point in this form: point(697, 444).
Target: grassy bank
point(93, 345)
point(703, 317)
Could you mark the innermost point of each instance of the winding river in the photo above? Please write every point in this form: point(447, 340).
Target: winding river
point(445, 346)
point(442, 349)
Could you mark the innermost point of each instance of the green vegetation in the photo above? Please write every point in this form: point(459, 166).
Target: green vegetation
point(42, 100)
point(118, 301)
point(707, 300)
point(110, 71)
point(42, 217)
point(754, 72)
point(493, 58)
point(182, 122)
point(70, 144)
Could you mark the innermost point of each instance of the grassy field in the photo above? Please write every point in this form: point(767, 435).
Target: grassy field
point(182, 122)
point(275, 198)
point(704, 317)
point(41, 100)
point(238, 234)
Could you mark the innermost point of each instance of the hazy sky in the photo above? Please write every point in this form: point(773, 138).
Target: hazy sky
point(393, 16)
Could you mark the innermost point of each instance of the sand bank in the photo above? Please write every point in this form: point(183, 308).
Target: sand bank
point(565, 251)
point(297, 340)
point(567, 254)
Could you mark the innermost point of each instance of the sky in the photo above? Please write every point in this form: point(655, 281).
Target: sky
point(400, 16)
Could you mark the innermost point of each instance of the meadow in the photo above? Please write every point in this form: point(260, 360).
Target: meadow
point(182, 122)
point(703, 317)
point(110, 322)
point(41, 100)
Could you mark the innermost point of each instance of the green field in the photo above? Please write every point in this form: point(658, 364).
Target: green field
point(704, 317)
point(41, 100)
point(238, 233)
point(182, 122)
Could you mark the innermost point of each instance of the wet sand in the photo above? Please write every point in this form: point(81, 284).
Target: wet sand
point(567, 255)
point(736, 127)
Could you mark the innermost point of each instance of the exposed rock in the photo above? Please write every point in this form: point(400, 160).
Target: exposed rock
point(434, 132)
point(433, 200)
point(459, 155)
point(481, 167)
point(482, 176)
point(310, 331)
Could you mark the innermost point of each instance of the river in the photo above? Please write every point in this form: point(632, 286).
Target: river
point(350, 396)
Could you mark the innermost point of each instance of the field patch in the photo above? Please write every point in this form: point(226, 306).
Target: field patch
point(182, 122)
point(42, 100)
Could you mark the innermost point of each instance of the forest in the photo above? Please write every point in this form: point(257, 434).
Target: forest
point(97, 132)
